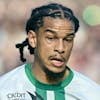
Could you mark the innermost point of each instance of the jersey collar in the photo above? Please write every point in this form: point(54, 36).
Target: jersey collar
point(38, 84)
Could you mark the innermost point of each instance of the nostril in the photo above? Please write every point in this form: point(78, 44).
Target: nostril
point(60, 51)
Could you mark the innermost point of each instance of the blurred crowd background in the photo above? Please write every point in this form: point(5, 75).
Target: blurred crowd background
point(85, 56)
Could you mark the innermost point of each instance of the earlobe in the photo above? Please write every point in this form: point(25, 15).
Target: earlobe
point(32, 38)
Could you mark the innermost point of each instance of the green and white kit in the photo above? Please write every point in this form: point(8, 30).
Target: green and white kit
point(20, 84)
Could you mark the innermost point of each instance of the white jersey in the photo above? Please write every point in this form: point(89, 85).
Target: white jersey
point(20, 84)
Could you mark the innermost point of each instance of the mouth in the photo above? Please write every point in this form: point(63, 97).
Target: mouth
point(58, 62)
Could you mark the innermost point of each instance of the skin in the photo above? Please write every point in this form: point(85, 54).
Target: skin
point(53, 43)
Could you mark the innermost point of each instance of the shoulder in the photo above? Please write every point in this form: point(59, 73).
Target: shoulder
point(84, 80)
point(84, 86)
point(11, 76)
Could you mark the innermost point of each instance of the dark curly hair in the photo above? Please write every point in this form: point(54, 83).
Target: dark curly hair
point(36, 21)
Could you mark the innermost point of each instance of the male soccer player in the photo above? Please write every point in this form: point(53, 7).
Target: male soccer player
point(51, 31)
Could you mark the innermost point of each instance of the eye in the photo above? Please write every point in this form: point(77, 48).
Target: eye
point(69, 39)
point(50, 38)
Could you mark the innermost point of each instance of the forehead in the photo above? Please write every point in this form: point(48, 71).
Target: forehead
point(58, 24)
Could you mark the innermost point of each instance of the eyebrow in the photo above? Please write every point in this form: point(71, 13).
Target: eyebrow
point(51, 31)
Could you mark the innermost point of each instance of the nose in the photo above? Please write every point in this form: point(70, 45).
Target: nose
point(59, 47)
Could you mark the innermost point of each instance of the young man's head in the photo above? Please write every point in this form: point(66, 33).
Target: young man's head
point(51, 30)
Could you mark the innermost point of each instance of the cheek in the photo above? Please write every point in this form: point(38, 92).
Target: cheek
point(69, 49)
point(45, 50)
point(46, 47)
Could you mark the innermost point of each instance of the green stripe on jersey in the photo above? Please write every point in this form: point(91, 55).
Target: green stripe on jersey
point(42, 93)
point(60, 95)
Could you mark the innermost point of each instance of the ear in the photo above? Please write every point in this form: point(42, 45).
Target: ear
point(32, 38)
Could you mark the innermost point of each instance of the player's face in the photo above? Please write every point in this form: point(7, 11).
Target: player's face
point(54, 44)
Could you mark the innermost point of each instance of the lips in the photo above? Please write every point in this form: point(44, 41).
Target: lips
point(57, 62)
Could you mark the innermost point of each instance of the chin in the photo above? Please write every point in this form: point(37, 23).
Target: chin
point(54, 74)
